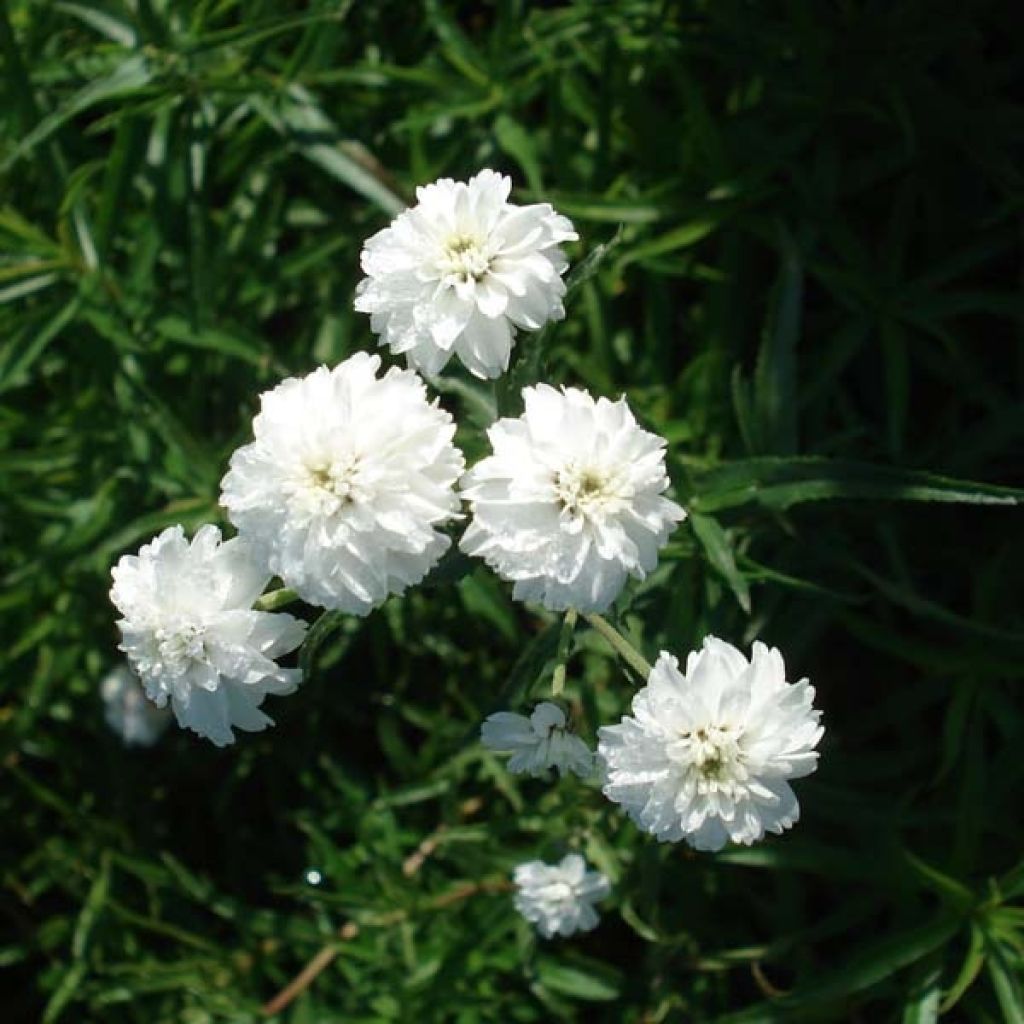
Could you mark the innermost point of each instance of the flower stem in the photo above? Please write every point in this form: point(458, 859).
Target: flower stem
point(623, 648)
point(564, 640)
point(274, 599)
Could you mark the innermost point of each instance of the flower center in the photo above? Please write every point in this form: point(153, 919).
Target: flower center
point(559, 892)
point(713, 752)
point(586, 492)
point(180, 646)
point(330, 486)
point(463, 260)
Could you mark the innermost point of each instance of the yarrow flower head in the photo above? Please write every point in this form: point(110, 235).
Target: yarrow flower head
point(572, 501)
point(537, 743)
point(558, 899)
point(346, 482)
point(129, 712)
point(190, 633)
point(707, 756)
point(461, 271)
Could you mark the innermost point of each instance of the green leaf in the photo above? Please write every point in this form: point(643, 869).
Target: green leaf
point(861, 970)
point(325, 626)
point(921, 1005)
point(1005, 970)
point(529, 667)
point(91, 910)
point(782, 483)
point(591, 980)
point(969, 970)
point(774, 390)
point(298, 118)
point(518, 143)
point(214, 339)
point(718, 549)
point(132, 74)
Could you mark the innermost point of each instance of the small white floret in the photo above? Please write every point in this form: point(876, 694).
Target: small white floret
point(571, 503)
point(558, 899)
point(129, 712)
point(461, 271)
point(706, 756)
point(537, 743)
point(346, 483)
point(189, 631)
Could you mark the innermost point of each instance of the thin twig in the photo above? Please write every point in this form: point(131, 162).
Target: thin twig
point(302, 980)
point(350, 930)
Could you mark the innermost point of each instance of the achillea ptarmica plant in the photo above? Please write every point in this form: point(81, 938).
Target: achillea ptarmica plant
point(706, 757)
point(571, 502)
point(461, 272)
point(189, 631)
point(346, 483)
point(538, 743)
point(558, 899)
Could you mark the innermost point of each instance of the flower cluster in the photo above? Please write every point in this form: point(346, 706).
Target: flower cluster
point(349, 492)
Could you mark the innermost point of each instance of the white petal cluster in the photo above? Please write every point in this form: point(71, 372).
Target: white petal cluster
point(537, 743)
point(461, 271)
point(571, 503)
point(129, 712)
point(706, 756)
point(558, 899)
point(190, 633)
point(346, 482)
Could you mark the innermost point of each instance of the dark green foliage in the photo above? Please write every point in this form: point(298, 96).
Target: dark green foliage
point(814, 292)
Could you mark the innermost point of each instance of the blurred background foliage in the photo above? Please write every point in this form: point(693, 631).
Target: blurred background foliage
point(812, 286)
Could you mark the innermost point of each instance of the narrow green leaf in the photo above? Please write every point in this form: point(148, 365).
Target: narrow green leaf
point(861, 970)
point(518, 143)
point(1005, 970)
point(921, 1005)
point(782, 483)
point(91, 910)
point(129, 76)
point(969, 970)
point(592, 982)
point(715, 542)
point(179, 330)
point(299, 119)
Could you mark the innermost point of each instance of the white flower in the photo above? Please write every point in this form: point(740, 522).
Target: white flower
point(343, 488)
point(127, 710)
point(559, 898)
point(191, 635)
point(460, 271)
point(571, 502)
point(537, 743)
point(707, 755)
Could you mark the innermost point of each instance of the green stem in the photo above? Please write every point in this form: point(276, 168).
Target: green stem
point(564, 640)
point(274, 599)
point(623, 648)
